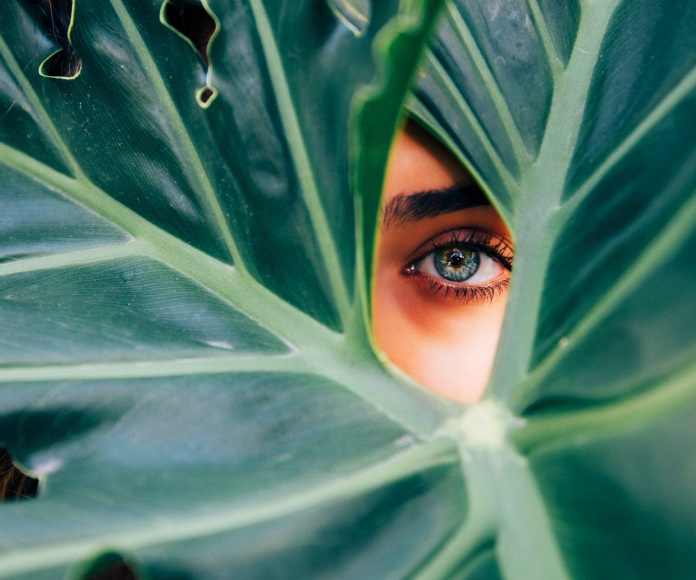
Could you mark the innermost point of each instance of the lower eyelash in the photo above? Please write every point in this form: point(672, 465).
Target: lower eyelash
point(465, 294)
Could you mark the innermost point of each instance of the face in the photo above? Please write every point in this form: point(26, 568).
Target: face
point(443, 266)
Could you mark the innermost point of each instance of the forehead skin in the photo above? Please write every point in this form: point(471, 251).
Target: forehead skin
point(411, 170)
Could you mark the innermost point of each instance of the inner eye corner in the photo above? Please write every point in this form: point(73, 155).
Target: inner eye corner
point(109, 566)
point(195, 24)
point(15, 484)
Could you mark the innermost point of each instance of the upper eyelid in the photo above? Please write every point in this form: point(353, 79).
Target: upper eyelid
point(433, 244)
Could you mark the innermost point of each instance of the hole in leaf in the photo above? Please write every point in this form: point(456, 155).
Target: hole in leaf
point(197, 27)
point(14, 483)
point(193, 22)
point(57, 20)
point(205, 94)
point(109, 566)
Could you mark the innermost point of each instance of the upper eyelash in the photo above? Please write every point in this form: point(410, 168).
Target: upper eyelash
point(500, 251)
point(476, 240)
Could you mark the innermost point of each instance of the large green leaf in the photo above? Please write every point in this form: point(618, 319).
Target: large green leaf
point(581, 122)
point(184, 361)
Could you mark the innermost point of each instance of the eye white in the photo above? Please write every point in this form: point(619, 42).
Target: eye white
point(487, 271)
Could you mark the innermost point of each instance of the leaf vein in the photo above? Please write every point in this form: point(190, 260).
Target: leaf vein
point(499, 102)
point(300, 156)
point(182, 133)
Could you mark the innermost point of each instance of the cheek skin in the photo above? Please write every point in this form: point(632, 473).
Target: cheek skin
point(449, 348)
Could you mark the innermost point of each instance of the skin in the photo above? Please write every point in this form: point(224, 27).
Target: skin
point(443, 341)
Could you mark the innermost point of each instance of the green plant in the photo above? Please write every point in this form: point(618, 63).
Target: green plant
point(208, 420)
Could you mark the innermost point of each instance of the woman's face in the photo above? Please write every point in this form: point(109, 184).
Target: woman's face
point(443, 267)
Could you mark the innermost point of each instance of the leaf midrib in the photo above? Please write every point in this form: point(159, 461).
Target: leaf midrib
point(242, 292)
point(542, 187)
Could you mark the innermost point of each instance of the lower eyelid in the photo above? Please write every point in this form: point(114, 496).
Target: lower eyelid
point(422, 275)
point(463, 293)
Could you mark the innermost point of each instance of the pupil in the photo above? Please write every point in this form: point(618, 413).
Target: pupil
point(456, 259)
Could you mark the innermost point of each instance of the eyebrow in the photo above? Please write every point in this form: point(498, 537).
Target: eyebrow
point(426, 204)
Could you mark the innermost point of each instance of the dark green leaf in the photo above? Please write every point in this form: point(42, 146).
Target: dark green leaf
point(599, 189)
point(184, 358)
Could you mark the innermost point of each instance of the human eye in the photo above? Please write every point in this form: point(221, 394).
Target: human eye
point(464, 265)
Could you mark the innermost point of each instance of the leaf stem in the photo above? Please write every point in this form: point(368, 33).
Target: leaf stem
point(504, 501)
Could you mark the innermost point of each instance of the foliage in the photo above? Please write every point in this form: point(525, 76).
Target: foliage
point(185, 363)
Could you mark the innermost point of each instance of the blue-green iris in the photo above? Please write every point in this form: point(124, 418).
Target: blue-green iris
point(456, 265)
